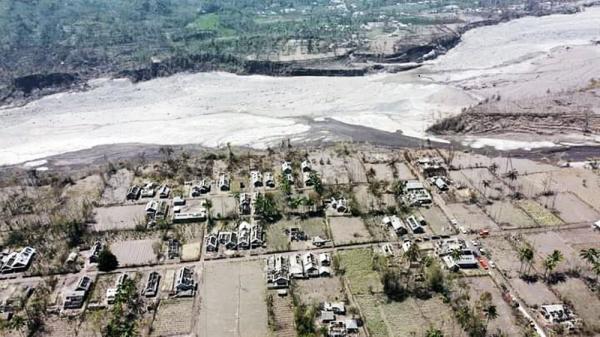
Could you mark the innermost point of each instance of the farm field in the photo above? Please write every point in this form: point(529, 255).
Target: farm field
point(173, 317)
point(134, 252)
point(119, 217)
point(233, 300)
point(347, 230)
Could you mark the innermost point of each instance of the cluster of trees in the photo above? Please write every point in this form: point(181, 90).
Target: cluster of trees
point(475, 319)
point(550, 262)
point(421, 282)
point(125, 311)
point(266, 206)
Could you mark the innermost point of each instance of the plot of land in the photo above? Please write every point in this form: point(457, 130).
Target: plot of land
point(134, 252)
point(116, 187)
point(546, 243)
point(504, 255)
point(332, 171)
point(318, 290)
point(369, 202)
point(437, 222)
point(581, 238)
point(411, 317)
point(348, 230)
point(173, 317)
point(358, 267)
point(356, 171)
point(471, 217)
point(404, 173)
point(223, 206)
point(233, 300)
point(586, 303)
point(539, 214)
point(382, 171)
point(570, 208)
point(278, 240)
point(506, 320)
point(119, 217)
point(533, 294)
point(508, 215)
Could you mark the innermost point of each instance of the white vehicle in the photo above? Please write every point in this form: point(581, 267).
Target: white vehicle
point(462, 230)
point(453, 222)
point(492, 264)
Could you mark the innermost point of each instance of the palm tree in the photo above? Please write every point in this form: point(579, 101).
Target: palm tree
point(493, 168)
point(552, 261)
point(592, 256)
point(491, 313)
point(525, 256)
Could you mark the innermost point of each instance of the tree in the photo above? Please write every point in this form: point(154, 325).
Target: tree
point(265, 206)
point(592, 256)
point(107, 261)
point(315, 181)
point(525, 256)
point(413, 253)
point(552, 261)
point(491, 313)
point(392, 286)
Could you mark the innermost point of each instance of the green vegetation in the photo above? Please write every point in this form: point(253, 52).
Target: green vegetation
point(266, 207)
point(125, 311)
point(107, 261)
point(81, 35)
point(358, 268)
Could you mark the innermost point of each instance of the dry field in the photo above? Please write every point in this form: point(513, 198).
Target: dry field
point(570, 208)
point(533, 293)
point(368, 202)
point(278, 240)
point(547, 242)
point(581, 182)
point(404, 172)
point(348, 230)
point(332, 173)
point(471, 217)
point(134, 252)
point(356, 170)
point(437, 222)
point(119, 217)
point(283, 312)
point(233, 300)
point(581, 238)
point(382, 171)
point(318, 290)
point(586, 304)
point(173, 317)
point(505, 256)
point(506, 321)
point(508, 215)
point(223, 206)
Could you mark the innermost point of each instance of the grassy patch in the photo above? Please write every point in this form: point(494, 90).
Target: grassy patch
point(358, 267)
point(369, 306)
point(540, 214)
point(210, 22)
